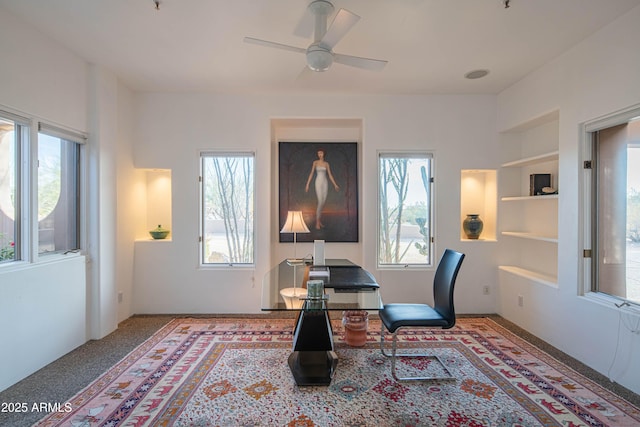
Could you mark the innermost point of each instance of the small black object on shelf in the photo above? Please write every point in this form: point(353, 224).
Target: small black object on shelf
point(538, 181)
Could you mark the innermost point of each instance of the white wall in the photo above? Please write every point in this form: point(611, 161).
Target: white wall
point(44, 304)
point(42, 310)
point(57, 304)
point(127, 194)
point(111, 200)
point(40, 77)
point(167, 130)
point(171, 128)
point(597, 77)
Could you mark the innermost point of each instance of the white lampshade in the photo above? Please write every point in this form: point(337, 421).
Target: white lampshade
point(294, 223)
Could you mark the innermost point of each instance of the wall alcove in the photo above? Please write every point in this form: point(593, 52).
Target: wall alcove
point(479, 195)
point(325, 130)
point(154, 203)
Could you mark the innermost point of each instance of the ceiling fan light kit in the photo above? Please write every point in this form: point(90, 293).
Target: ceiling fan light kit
point(319, 54)
point(319, 58)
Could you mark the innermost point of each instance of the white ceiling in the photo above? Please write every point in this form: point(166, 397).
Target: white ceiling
point(197, 45)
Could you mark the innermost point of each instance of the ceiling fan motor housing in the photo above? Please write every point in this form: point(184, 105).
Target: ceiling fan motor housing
point(320, 54)
point(319, 58)
point(321, 7)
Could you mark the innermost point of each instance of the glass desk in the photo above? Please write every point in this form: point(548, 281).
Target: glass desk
point(348, 287)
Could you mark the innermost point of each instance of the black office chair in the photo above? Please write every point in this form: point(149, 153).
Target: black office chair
point(442, 315)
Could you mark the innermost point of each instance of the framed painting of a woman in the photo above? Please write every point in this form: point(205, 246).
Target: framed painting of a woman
point(321, 180)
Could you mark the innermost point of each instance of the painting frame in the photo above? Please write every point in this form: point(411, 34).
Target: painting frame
point(335, 220)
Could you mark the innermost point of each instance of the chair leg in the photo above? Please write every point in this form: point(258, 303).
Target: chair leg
point(382, 330)
point(394, 344)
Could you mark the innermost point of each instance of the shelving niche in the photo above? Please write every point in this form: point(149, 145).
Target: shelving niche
point(528, 225)
point(479, 195)
point(153, 192)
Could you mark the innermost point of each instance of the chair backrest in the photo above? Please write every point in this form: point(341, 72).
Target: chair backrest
point(443, 284)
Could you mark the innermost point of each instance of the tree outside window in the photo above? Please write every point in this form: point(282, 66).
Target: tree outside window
point(227, 208)
point(404, 228)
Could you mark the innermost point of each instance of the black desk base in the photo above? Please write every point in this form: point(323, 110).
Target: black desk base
point(313, 367)
point(313, 360)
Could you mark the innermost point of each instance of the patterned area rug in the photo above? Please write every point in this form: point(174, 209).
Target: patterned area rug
point(233, 372)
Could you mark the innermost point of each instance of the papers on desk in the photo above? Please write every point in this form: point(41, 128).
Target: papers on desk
point(319, 273)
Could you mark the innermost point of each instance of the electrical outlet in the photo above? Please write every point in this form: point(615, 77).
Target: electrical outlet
point(120, 296)
point(485, 290)
point(520, 301)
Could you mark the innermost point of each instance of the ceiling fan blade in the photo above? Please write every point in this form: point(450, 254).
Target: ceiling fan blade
point(304, 28)
point(305, 74)
point(275, 45)
point(356, 61)
point(340, 26)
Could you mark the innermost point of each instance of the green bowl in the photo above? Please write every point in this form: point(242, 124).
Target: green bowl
point(159, 233)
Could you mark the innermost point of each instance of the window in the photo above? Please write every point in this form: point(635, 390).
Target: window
point(612, 168)
point(227, 201)
point(14, 132)
point(46, 164)
point(58, 191)
point(405, 214)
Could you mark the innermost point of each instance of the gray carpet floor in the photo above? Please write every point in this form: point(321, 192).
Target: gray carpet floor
point(63, 378)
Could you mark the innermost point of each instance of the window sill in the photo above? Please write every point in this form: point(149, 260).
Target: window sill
point(228, 267)
point(42, 260)
point(612, 302)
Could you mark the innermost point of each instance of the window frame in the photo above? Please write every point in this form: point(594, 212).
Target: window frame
point(588, 245)
point(22, 130)
point(80, 140)
point(26, 198)
point(417, 154)
point(202, 155)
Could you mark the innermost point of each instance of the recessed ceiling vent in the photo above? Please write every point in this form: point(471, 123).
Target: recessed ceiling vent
point(476, 74)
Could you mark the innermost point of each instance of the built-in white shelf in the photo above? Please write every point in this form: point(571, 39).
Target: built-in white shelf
point(527, 161)
point(518, 198)
point(528, 226)
point(534, 276)
point(531, 236)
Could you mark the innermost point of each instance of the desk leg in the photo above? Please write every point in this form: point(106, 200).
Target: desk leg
point(311, 368)
point(313, 360)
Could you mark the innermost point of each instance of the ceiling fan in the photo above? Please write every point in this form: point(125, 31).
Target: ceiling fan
point(320, 53)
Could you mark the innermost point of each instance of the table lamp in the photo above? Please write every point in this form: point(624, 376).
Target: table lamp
point(294, 224)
